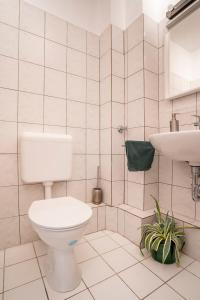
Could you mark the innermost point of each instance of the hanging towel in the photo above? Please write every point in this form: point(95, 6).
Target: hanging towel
point(140, 155)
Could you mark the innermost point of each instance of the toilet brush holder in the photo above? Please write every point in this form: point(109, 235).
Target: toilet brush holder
point(97, 195)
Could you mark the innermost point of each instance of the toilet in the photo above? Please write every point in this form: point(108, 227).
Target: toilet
point(59, 222)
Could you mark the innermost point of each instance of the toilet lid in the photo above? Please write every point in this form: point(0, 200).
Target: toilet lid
point(57, 213)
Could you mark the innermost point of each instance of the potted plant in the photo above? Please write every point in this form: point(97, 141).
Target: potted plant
point(163, 239)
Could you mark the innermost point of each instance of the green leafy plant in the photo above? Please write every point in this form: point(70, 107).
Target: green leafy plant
point(164, 235)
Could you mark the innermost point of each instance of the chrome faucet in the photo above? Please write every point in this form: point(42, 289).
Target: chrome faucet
point(197, 124)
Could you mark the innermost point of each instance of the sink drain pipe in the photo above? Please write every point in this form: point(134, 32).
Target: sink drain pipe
point(195, 183)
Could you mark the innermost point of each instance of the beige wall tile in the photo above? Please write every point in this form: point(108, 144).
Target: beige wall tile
point(92, 67)
point(182, 202)
point(9, 231)
point(92, 92)
point(92, 141)
point(55, 83)
point(79, 167)
point(30, 108)
point(135, 86)
point(117, 114)
point(105, 40)
point(117, 64)
point(151, 85)
point(151, 113)
point(105, 65)
point(26, 230)
point(105, 141)
point(77, 189)
point(8, 137)
point(106, 167)
point(117, 192)
point(76, 115)
point(150, 58)
point(9, 201)
point(106, 187)
point(111, 218)
point(136, 59)
point(182, 174)
point(9, 12)
point(150, 31)
point(105, 90)
point(118, 89)
point(27, 194)
point(78, 138)
point(8, 170)
point(56, 29)
point(8, 104)
point(76, 38)
point(31, 19)
point(55, 56)
point(117, 39)
point(74, 93)
point(31, 48)
point(135, 195)
point(92, 44)
point(136, 32)
point(31, 78)
point(9, 41)
point(8, 72)
point(120, 223)
point(132, 224)
point(117, 167)
point(91, 166)
point(136, 113)
point(76, 62)
point(55, 111)
point(92, 116)
point(165, 169)
point(101, 218)
point(165, 196)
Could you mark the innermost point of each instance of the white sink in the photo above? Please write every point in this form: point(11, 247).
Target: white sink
point(179, 145)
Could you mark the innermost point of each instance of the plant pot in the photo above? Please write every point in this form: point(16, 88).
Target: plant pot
point(157, 255)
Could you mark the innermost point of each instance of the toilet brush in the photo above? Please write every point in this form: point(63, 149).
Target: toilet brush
point(97, 195)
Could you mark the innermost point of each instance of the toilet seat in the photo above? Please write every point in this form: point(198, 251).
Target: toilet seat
point(59, 213)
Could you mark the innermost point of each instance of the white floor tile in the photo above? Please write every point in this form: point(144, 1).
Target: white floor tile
point(140, 280)
point(185, 260)
point(53, 295)
point(30, 291)
point(84, 252)
point(187, 285)
point(194, 268)
point(112, 288)
point(164, 293)
point(120, 239)
point(85, 295)
point(21, 273)
point(119, 259)
point(164, 272)
point(1, 258)
point(18, 254)
point(95, 270)
point(94, 235)
point(40, 248)
point(135, 251)
point(104, 244)
point(108, 232)
point(1, 280)
point(42, 262)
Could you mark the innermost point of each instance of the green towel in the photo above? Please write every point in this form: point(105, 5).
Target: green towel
point(140, 155)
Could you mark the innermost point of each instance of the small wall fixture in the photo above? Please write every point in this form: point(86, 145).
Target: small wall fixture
point(121, 128)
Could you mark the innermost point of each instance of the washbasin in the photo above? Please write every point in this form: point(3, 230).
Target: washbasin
point(179, 145)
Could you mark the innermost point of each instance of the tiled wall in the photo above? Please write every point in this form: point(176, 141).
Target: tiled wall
point(141, 104)
point(112, 114)
point(175, 177)
point(49, 81)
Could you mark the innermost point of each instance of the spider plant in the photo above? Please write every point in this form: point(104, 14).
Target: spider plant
point(163, 236)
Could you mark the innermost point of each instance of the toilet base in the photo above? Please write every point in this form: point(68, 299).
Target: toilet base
point(62, 271)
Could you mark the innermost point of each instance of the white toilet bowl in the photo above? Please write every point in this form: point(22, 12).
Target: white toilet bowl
point(60, 223)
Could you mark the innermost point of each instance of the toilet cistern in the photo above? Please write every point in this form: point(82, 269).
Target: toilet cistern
point(59, 222)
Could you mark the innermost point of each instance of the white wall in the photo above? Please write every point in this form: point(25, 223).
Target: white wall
point(95, 15)
point(92, 15)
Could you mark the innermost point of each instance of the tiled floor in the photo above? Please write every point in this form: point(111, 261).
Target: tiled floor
point(112, 269)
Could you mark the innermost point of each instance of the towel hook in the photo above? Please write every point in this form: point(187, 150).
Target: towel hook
point(121, 128)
